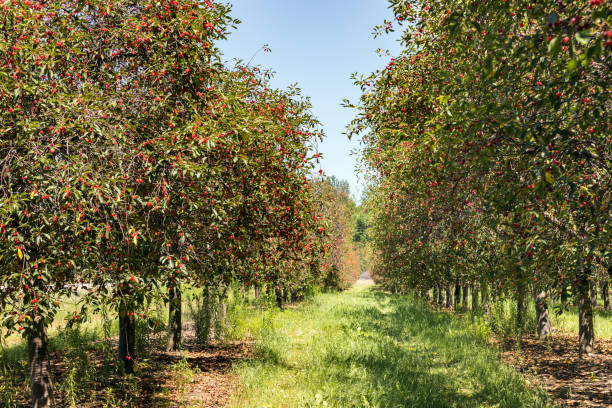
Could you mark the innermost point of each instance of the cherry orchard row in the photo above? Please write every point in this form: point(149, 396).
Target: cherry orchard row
point(488, 145)
point(131, 159)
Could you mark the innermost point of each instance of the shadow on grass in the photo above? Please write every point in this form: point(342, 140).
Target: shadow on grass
point(390, 351)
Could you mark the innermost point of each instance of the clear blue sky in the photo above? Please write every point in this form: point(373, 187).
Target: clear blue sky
point(317, 44)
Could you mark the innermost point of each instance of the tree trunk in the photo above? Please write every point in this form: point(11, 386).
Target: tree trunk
point(435, 295)
point(440, 296)
point(457, 296)
point(605, 293)
point(41, 386)
point(542, 315)
point(520, 306)
point(466, 294)
point(127, 339)
point(174, 319)
point(285, 296)
point(449, 296)
point(593, 292)
point(279, 297)
point(257, 291)
point(585, 314)
point(474, 297)
point(564, 295)
point(426, 295)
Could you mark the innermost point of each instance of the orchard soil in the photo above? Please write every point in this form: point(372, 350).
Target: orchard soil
point(571, 380)
point(209, 382)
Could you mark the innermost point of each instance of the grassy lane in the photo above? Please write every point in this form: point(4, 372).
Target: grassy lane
point(370, 349)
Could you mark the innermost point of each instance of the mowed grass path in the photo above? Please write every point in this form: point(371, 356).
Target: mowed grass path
point(365, 348)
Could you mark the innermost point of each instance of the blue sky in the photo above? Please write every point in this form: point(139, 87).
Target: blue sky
point(317, 44)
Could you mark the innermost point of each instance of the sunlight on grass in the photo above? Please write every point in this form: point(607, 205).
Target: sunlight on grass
point(568, 321)
point(364, 348)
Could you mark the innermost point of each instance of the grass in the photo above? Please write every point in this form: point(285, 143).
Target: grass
point(568, 321)
point(503, 318)
point(80, 375)
point(365, 348)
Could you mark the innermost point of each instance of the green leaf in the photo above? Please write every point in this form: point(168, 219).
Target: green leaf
point(572, 65)
point(583, 37)
point(554, 46)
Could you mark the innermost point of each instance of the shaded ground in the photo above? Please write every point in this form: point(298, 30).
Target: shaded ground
point(86, 376)
point(571, 380)
point(207, 381)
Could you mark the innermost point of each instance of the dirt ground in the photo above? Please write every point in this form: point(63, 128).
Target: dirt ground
point(211, 383)
point(194, 377)
point(571, 380)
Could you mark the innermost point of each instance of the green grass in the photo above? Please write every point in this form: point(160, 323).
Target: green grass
point(503, 318)
point(568, 321)
point(365, 348)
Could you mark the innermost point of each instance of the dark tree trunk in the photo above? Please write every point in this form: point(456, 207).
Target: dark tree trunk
point(285, 295)
point(440, 296)
point(474, 297)
point(605, 293)
point(279, 297)
point(585, 314)
point(520, 306)
point(593, 292)
point(127, 339)
point(466, 294)
point(435, 295)
point(564, 295)
point(257, 291)
point(542, 315)
point(175, 324)
point(41, 386)
point(457, 296)
point(449, 296)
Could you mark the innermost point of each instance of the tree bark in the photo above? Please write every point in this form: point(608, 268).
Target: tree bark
point(542, 315)
point(585, 315)
point(457, 296)
point(449, 296)
point(474, 297)
point(175, 325)
point(440, 295)
point(593, 292)
point(466, 294)
point(605, 293)
point(127, 339)
point(41, 385)
point(279, 297)
point(257, 291)
point(520, 306)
